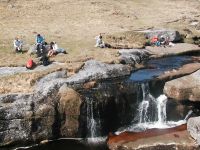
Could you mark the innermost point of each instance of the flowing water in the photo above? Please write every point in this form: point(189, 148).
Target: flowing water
point(93, 123)
point(148, 111)
point(158, 66)
point(158, 120)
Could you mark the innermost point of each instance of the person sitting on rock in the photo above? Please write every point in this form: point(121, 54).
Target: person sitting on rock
point(40, 42)
point(54, 49)
point(155, 41)
point(17, 45)
point(99, 41)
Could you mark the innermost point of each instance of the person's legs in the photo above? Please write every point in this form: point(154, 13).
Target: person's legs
point(38, 51)
point(16, 49)
point(50, 53)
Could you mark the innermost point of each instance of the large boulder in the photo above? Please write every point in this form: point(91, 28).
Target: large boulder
point(69, 109)
point(177, 49)
point(26, 118)
point(95, 70)
point(132, 56)
point(173, 35)
point(184, 88)
point(193, 127)
point(32, 117)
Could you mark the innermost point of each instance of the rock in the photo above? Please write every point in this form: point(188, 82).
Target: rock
point(193, 127)
point(15, 112)
point(25, 117)
point(174, 36)
point(132, 56)
point(126, 40)
point(89, 85)
point(183, 71)
point(95, 70)
point(47, 84)
point(32, 117)
point(178, 49)
point(7, 71)
point(69, 109)
point(165, 139)
point(184, 88)
point(32, 49)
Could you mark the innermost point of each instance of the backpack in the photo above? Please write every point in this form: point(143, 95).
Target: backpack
point(45, 60)
point(30, 64)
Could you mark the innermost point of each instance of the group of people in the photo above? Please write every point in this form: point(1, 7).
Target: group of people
point(162, 41)
point(40, 46)
point(43, 50)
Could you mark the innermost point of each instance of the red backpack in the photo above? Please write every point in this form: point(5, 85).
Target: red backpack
point(30, 64)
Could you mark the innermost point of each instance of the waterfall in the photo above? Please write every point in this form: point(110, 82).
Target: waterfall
point(161, 106)
point(144, 105)
point(91, 123)
point(188, 115)
point(143, 111)
point(151, 110)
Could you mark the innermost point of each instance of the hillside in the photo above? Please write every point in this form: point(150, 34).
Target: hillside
point(75, 23)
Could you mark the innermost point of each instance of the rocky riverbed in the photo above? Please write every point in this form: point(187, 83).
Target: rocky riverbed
point(55, 105)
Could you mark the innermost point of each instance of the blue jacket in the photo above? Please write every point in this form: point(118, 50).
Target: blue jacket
point(39, 39)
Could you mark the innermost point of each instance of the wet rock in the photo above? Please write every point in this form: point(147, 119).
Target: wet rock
point(184, 88)
point(183, 71)
point(69, 109)
point(95, 70)
point(89, 85)
point(132, 56)
point(175, 138)
point(174, 36)
point(193, 127)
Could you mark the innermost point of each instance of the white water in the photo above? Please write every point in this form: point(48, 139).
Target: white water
point(160, 119)
point(147, 98)
point(161, 106)
point(93, 124)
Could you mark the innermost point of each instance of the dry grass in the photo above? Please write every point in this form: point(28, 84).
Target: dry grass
point(128, 39)
point(22, 82)
point(75, 23)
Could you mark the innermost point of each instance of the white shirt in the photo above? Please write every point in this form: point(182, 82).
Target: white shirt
point(99, 41)
point(55, 47)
